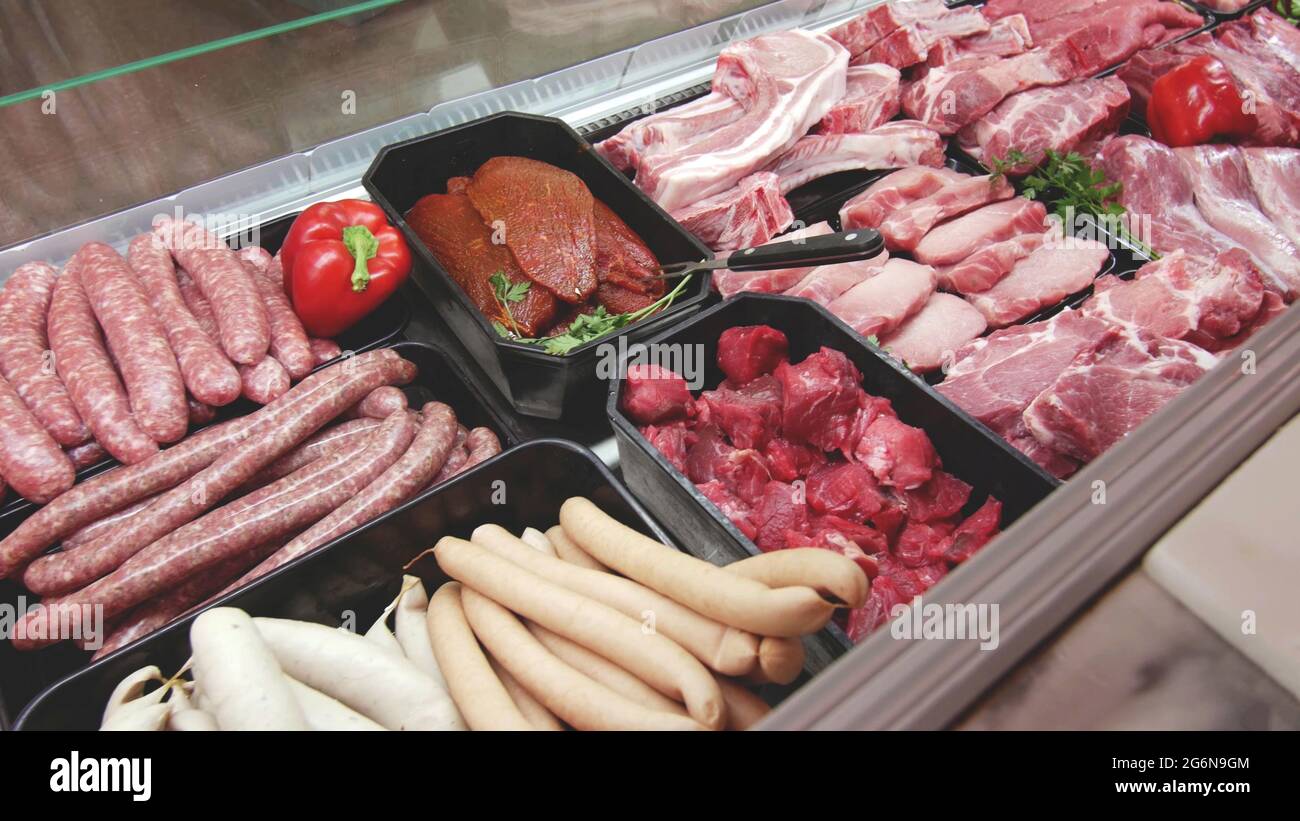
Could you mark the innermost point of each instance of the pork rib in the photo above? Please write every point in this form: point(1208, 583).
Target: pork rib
point(893, 145)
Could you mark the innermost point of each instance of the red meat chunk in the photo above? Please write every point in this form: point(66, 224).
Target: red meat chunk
point(750, 351)
point(884, 597)
point(672, 441)
point(654, 395)
point(742, 472)
point(779, 511)
point(919, 542)
point(889, 519)
point(748, 415)
point(850, 550)
point(847, 489)
point(898, 455)
point(822, 396)
point(943, 496)
point(864, 536)
point(977, 531)
point(791, 460)
point(733, 508)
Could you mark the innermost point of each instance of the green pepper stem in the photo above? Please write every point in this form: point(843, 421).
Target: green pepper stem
point(363, 246)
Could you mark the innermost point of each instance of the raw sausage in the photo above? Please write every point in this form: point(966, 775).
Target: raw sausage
point(243, 328)
point(83, 456)
point(63, 572)
point(208, 373)
point(266, 514)
point(379, 403)
point(456, 459)
point(114, 490)
point(201, 414)
point(324, 350)
point(482, 445)
point(320, 444)
point(137, 341)
point(256, 256)
point(27, 361)
point(97, 528)
point(30, 460)
point(86, 369)
point(289, 342)
point(397, 484)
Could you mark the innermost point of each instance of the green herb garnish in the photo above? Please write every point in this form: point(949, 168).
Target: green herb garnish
point(999, 166)
point(1290, 9)
point(600, 322)
point(505, 293)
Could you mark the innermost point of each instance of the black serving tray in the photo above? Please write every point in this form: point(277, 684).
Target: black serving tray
point(536, 383)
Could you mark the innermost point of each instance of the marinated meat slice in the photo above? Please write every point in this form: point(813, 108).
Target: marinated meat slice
point(932, 336)
point(456, 236)
point(546, 216)
point(1043, 278)
point(880, 304)
point(957, 239)
point(894, 191)
point(1111, 388)
point(626, 269)
point(905, 227)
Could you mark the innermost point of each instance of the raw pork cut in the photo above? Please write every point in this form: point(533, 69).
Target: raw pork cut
point(786, 81)
point(1111, 388)
point(863, 32)
point(1061, 118)
point(729, 283)
point(1006, 37)
point(667, 131)
point(826, 283)
point(954, 95)
point(869, 209)
point(1274, 33)
point(1275, 176)
point(1155, 187)
point(1273, 85)
point(910, 44)
point(1225, 198)
point(982, 269)
point(957, 239)
point(870, 100)
point(750, 214)
point(1120, 26)
point(905, 227)
point(996, 376)
point(893, 145)
point(1204, 301)
point(1043, 278)
point(1034, 9)
point(932, 336)
point(880, 304)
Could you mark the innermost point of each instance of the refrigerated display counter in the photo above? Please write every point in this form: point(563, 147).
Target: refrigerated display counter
point(288, 113)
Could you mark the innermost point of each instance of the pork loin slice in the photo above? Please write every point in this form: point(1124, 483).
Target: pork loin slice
point(1043, 278)
point(881, 303)
point(934, 334)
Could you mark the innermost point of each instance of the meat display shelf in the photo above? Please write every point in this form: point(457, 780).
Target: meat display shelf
point(1053, 560)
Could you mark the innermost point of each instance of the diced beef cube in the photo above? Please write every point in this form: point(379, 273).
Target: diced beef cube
point(869, 407)
point(930, 574)
point(748, 415)
point(882, 600)
point(943, 496)
point(733, 508)
point(779, 511)
point(977, 531)
point(847, 489)
point(899, 455)
point(654, 395)
point(748, 352)
point(864, 536)
point(791, 460)
point(919, 542)
point(821, 399)
point(889, 519)
point(672, 441)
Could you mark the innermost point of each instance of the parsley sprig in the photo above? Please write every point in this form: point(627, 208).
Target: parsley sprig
point(594, 325)
point(1290, 9)
point(506, 293)
point(1070, 184)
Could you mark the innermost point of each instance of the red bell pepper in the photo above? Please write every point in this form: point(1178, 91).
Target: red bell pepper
point(341, 260)
point(1198, 103)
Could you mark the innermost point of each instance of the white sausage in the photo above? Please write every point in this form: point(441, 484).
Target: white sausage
point(241, 677)
point(326, 714)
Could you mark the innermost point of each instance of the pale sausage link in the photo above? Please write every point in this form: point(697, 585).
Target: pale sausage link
point(26, 361)
point(31, 461)
point(482, 444)
point(275, 510)
point(243, 328)
point(87, 370)
point(114, 490)
point(210, 376)
point(289, 342)
point(137, 340)
point(62, 572)
point(163, 609)
point(397, 484)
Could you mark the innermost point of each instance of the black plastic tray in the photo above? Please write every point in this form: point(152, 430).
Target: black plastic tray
point(536, 383)
point(383, 326)
point(1204, 8)
point(358, 575)
point(969, 450)
point(23, 675)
